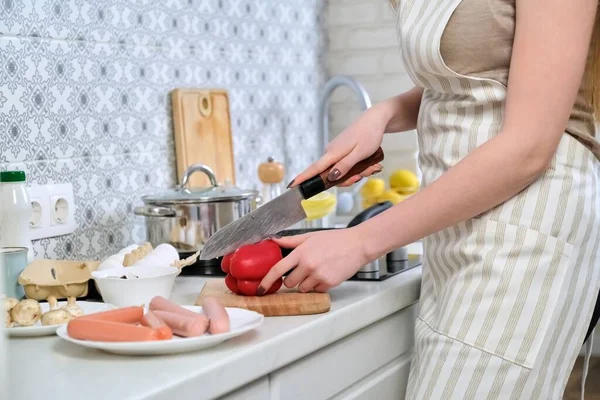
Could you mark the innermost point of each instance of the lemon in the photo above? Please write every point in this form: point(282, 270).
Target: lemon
point(319, 205)
point(372, 188)
point(404, 182)
point(366, 203)
point(391, 195)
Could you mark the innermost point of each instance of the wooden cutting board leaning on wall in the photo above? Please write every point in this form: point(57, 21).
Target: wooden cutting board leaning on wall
point(284, 302)
point(202, 131)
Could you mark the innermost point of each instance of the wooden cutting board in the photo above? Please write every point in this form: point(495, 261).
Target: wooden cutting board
point(202, 132)
point(284, 302)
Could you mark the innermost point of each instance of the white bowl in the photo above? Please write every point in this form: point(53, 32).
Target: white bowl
point(151, 281)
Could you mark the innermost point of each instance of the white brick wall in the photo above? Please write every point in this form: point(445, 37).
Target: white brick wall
point(362, 43)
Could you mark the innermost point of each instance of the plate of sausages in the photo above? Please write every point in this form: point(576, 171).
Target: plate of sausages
point(163, 327)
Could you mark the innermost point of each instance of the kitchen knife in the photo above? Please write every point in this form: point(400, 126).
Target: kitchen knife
point(276, 215)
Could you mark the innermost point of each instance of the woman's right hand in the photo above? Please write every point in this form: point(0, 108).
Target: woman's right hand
point(354, 144)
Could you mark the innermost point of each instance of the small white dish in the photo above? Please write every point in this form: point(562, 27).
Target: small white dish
point(241, 321)
point(38, 329)
point(149, 281)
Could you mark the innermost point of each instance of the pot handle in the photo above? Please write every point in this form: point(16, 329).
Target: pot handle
point(196, 168)
point(154, 211)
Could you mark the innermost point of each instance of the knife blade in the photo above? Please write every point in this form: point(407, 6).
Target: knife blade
point(276, 215)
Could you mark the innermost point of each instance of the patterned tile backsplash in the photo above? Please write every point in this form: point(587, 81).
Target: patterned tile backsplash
point(84, 97)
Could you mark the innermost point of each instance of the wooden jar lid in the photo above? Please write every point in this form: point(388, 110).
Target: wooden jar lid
point(271, 171)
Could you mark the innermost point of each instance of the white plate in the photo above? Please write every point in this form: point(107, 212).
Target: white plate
point(38, 329)
point(241, 322)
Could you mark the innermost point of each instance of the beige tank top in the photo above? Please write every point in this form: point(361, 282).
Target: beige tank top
point(478, 42)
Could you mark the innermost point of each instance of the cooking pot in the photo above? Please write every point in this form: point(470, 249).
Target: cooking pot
point(186, 217)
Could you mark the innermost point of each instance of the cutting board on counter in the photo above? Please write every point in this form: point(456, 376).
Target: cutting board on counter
point(284, 302)
point(202, 132)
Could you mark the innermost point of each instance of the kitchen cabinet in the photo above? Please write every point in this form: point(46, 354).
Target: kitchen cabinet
point(372, 363)
point(257, 390)
point(388, 382)
point(377, 355)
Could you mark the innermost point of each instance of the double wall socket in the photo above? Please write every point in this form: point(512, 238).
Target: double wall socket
point(52, 210)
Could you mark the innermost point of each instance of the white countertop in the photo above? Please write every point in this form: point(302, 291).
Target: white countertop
point(51, 365)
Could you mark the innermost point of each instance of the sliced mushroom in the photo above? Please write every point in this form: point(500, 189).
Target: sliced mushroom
point(26, 313)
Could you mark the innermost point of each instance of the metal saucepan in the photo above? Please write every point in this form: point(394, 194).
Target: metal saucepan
point(186, 218)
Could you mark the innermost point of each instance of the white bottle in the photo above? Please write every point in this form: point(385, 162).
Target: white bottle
point(15, 212)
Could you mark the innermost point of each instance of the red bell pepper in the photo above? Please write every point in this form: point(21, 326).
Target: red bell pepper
point(248, 265)
point(232, 284)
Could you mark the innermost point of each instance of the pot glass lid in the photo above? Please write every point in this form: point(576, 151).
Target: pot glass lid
point(184, 194)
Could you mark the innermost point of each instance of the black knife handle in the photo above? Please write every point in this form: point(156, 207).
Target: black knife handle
point(320, 183)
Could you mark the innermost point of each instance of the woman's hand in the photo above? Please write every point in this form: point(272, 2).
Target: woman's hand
point(364, 137)
point(322, 260)
point(354, 144)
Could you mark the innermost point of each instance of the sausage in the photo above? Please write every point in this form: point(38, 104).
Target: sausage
point(126, 315)
point(217, 316)
point(158, 325)
point(108, 331)
point(159, 303)
point(182, 325)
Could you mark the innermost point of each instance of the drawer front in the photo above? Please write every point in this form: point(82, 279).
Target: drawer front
point(257, 390)
point(389, 382)
point(338, 366)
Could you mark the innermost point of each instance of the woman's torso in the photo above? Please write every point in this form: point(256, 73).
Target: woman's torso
point(478, 41)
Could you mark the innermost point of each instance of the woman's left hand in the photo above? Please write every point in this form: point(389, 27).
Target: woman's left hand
point(322, 260)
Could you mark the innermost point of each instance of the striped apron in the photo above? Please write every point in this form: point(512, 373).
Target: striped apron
point(506, 297)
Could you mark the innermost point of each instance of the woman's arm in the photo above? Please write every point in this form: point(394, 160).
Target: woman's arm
point(402, 111)
point(548, 61)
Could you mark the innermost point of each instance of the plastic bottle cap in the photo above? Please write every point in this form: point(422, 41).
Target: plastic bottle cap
point(12, 176)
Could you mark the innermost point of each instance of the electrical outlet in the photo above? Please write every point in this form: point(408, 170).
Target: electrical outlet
point(52, 210)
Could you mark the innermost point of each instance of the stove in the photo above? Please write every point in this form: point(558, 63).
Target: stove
point(390, 265)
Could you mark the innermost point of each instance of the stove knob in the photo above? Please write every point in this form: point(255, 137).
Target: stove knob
point(400, 254)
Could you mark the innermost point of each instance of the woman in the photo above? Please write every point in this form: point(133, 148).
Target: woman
point(510, 206)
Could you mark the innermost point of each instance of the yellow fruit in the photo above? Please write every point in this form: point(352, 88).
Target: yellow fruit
point(319, 206)
point(372, 188)
point(404, 181)
point(366, 203)
point(390, 195)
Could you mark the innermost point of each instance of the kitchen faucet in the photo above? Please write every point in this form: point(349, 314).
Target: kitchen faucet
point(335, 82)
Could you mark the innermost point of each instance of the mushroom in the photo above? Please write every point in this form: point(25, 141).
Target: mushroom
point(9, 303)
point(52, 303)
point(7, 321)
point(56, 316)
point(26, 313)
point(73, 308)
